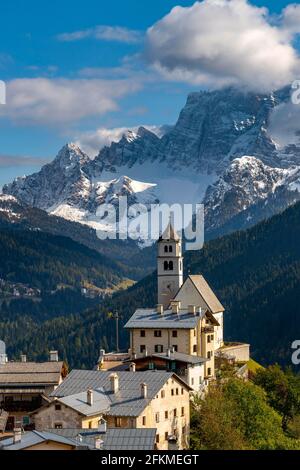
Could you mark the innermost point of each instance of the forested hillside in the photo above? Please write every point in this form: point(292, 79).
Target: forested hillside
point(255, 273)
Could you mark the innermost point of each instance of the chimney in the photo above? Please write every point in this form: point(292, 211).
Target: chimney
point(114, 383)
point(90, 397)
point(175, 306)
point(102, 426)
point(192, 309)
point(132, 367)
point(160, 309)
point(23, 358)
point(53, 356)
point(98, 443)
point(144, 390)
point(17, 435)
point(102, 354)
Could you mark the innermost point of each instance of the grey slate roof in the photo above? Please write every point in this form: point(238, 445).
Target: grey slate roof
point(149, 318)
point(176, 356)
point(128, 400)
point(114, 439)
point(207, 293)
point(78, 402)
point(31, 373)
point(31, 438)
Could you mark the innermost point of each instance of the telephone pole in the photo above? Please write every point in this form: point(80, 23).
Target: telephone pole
point(116, 316)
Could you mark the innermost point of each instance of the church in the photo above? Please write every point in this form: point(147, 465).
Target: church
point(186, 326)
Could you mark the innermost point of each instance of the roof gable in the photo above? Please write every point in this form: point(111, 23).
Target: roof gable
point(203, 289)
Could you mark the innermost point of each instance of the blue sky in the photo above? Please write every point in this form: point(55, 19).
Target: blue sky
point(32, 47)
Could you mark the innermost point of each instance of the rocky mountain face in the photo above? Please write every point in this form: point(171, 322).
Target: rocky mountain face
point(221, 151)
point(247, 184)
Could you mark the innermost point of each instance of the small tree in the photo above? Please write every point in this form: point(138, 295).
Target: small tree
point(283, 391)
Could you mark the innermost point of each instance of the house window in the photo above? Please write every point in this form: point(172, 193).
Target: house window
point(212, 337)
point(209, 371)
point(171, 266)
point(157, 439)
point(192, 381)
point(208, 354)
point(208, 339)
point(58, 426)
point(166, 249)
point(166, 436)
point(174, 333)
point(162, 394)
point(144, 420)
point(142, 348)
point(182, 411)
point(195, 348)
point(175, 412)
point(90, 424)
point(170, 249)
point(175, 347)
point(172, 392)
point(157, 333)
point(157, 417)
point(132, 422)
point(177, 391)
point(182, 391)
point(166, 265)
point(158, 348)
point(57, 407)
point(143, 333)
point(166, 415)
point(118, 422)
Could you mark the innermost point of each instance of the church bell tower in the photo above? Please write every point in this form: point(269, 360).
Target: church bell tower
point(169, 266)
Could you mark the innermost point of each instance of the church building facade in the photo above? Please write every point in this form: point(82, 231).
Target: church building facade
point(188, 318)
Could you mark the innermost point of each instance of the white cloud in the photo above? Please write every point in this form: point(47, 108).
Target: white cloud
point(62, 101)
point(91, 142)
point(291, 19)
point(219, 42)
point(284, 127)
point(105, 33)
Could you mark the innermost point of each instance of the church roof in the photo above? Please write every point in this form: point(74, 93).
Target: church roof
point(206, 293)
point(150, 318)
point(170, 233)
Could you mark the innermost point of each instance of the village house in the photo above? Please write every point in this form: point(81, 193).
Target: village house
point(82, 410)
point(137, 400)
point(189, 368)
point(26, 386)
point(40, 440)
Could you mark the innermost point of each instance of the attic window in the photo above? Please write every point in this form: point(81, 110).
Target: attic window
point(57, 407)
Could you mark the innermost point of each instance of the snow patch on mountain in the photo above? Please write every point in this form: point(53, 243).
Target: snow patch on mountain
point(246, 182)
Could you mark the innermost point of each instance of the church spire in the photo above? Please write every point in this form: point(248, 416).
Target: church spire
point(169, 265)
